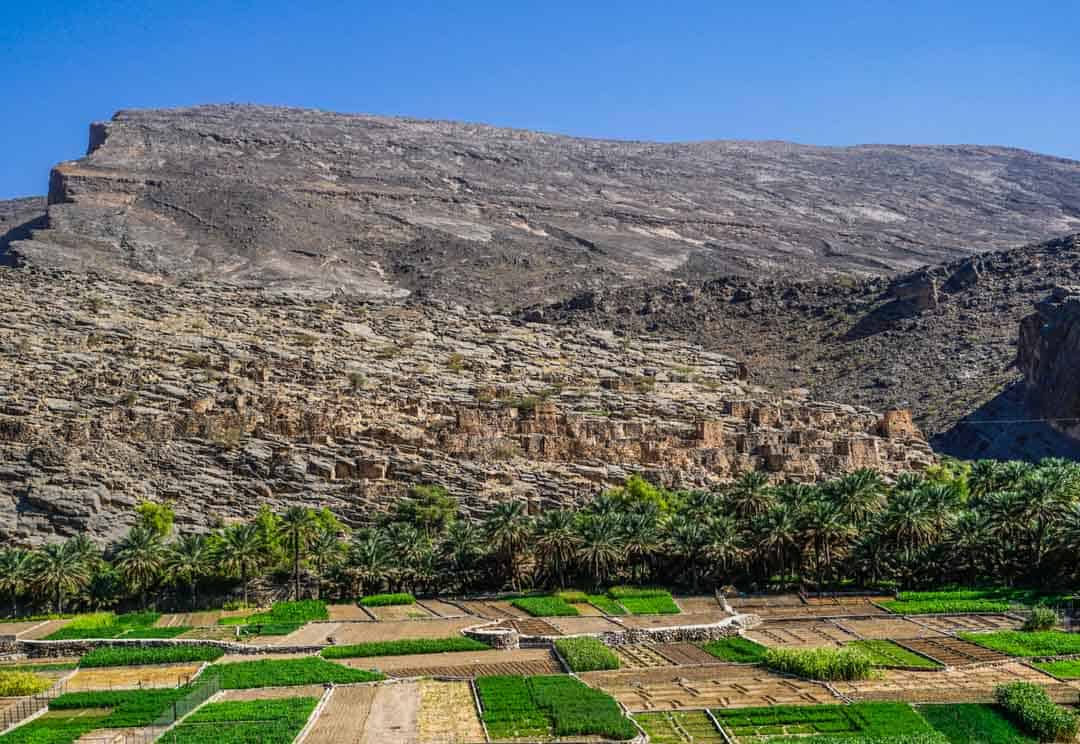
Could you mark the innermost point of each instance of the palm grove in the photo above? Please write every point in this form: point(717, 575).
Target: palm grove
point(994, 523)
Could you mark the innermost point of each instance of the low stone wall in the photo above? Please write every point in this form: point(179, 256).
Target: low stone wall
point(58, 649)
point(675, 634)
point(500, 638)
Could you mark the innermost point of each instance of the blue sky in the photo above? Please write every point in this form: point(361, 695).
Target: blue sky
point(905, 71)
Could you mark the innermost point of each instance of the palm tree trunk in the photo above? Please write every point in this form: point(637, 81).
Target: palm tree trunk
point(59, 600)
point(296, 568)
point(243, 580)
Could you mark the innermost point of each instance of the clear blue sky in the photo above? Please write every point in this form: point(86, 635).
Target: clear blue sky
point(902, 71)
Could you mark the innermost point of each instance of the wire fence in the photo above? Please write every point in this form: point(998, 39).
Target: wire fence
point(204, 688)
point(28, 706)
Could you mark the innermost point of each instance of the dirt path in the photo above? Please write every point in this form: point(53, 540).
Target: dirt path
point(394, 714)
point(344, 716)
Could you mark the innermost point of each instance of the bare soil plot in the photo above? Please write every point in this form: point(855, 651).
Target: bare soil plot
point(673, 621)
point(464, 664)
point(885, 628)
point(640, 656)
point(212, 633)
point(966, 623)
point(252, 657)
point(126, 678)
point(587, 610)
point(535, 626)
point(44, 661)
point(483, 609)
point(952, 651)
point(577, 625)
point(752, 604)
point(801, 634)
point(344, 716)
point(41, 630)
point(694, 605)
point(394, 715)
point(347, 613)
point(311, 634)
point(106, 736)
point(18, 629)
point(508, 610)
point(716, 686)
point(685, 653)
point(400, 612)
point(192, 619)
point(439, 608)
point(969, 685)
point(346, 633)
point(271, 693)
point(448, 714)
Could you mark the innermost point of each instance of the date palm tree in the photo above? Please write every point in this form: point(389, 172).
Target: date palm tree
point(751, 495)
point(14, 572)
point(556, 542)
point(140, 559)
point(508, 532)
point(776, 534)
point(688, 540)
point(858, 495)
point(369, 560)
point(189, 559)
point(59, 569)
point(241, 552)
point(642, 541)
point(600, 548)
point(295, 528)
point(326, 552)
point(461, 550)
point(826, 533)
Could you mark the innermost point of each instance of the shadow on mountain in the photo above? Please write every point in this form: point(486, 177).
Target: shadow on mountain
point(19, 232)
point(1004, 429)
point(881, 319)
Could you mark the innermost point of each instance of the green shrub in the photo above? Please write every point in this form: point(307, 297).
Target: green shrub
point(403, 647)
point(736, 649)
point(1031, 707)
point(387, 600)
point(544, 606)
point(972, 723)
point(264, 721)
point(1019, 643)
point(17, 684)
point(1041, 618)
point(586, 654)
point(108, 656)
point(310, 670)
point(825, 664)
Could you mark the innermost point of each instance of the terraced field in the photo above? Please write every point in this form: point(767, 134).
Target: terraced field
point(801, 634)
point(130, 678)
point(640, 656)
point(973, 684)
point(969, 623)
point(716, 686)
point(685, 654)
point(885, 628)
point(680, 727)
point(952, 651)
point(348, 633)
point(448, 714)
point(465, 664)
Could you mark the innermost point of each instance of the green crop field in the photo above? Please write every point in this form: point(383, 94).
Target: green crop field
point(551, 606)
point(887, 653)
point(587, 654)
point(110, 625)
point(668, 727)
point(606, 604)
point(825, 664)
point(310, 670)
point(1020, 643)
point(107, 656)
point(404, 647)
point(944, 606)
point(262, 721)
point(644, 601)
point(862, 721)
point(530, 707)
point(1065, 669)
point(387, 600)
point(737, 649)
point(973, 724)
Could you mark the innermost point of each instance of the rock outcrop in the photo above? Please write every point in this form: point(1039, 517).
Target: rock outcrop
point(220, 399)
point(1049, 357)
point(316, 202)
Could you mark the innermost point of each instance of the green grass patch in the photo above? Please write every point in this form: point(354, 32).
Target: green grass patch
point(644, 600)
point(1019, 643)
point(573, 596)
point(404, 647)
point(889, 654)
point(263, 721)
point(109, 625)
point(970, 723)
point(1066, 669)
point(539, 707)
point(310, 670)
point(944, 606)
point(737, 649)
point(50, 729)
point(46, 667)
point(17, 684)
point(825, 664)
point(1030, 706)
point(586, 654)
point(387, 600)
point(606, 604)
point(544, 606)
point(860, 722)
point(110, 656)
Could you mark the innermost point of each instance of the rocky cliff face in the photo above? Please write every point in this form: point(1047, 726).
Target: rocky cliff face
point(317, 202)
point(18, 219)
point(220, 399)
point(1049, 357)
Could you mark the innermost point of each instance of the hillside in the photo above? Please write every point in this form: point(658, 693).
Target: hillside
point(315, 202)
point(941, 341)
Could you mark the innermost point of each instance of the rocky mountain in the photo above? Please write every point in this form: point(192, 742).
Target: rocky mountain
point(942, 341)
point(18, 218)
point(1050, 358)
point(317, 202)
point(220, 399)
